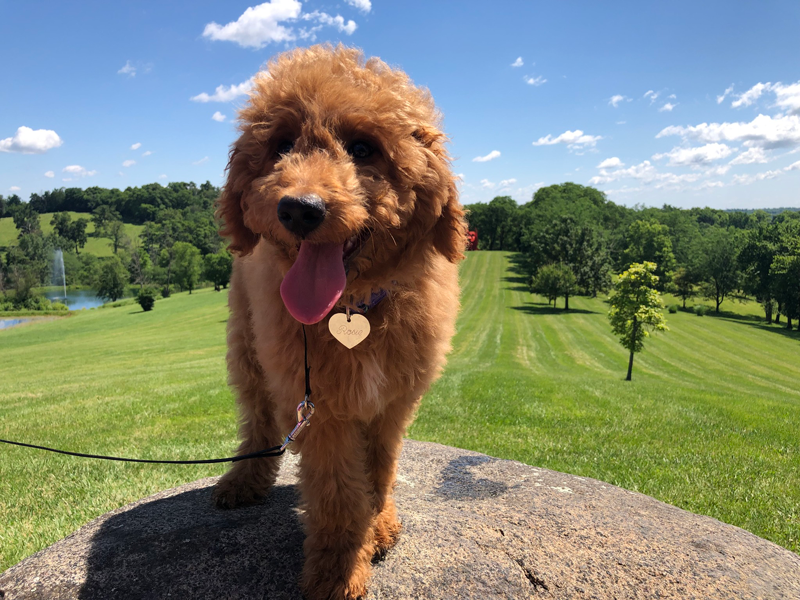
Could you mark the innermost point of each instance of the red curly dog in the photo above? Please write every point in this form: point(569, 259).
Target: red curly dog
point(339, 190)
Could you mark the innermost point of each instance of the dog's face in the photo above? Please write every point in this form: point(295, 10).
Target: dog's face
point(341, 166)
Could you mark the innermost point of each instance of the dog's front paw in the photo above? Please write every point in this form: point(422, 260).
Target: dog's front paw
point(232, 492)
point(387, 532)
point(337, 575)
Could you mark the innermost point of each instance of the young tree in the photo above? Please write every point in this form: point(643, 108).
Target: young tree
point(217, 268)
point(112, 279)
point(719, 264)
point(636, 308)
point(188, 265)
point(555, 280)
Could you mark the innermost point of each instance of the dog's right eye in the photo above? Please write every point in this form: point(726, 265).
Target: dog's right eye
point(284, 147)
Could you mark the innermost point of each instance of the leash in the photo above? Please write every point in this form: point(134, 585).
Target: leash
point(305, 410)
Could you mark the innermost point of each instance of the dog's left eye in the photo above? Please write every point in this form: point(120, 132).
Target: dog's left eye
point(360, 150)
point(284, 147)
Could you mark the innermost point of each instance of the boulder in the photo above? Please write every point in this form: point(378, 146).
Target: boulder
point(473, 527)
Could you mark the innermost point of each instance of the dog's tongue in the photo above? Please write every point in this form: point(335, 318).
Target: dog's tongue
point(315, 282)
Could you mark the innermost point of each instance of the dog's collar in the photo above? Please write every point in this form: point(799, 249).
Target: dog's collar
point(365, 306)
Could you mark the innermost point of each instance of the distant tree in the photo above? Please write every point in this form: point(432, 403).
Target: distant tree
point(188, 265)
point(684, 281)
point(636, 308)
point(115, 231)
point(755, 260)
point(495, 223)
point(786, 270)
point(101, 216)
point(719, 265)
point(140, 266)
point(77, 233)
point(26, 220)
point(112, 279)
point(217, 268)
point(146, 299)
point(649, 241)
point(3, 206)
point(553, 281)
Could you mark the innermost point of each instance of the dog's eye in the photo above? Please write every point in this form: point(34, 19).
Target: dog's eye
point(360, 150)
point(284, 147)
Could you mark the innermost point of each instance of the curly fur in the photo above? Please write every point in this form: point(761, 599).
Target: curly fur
point(403, 202)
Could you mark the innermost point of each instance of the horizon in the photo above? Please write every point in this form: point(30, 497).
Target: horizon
point(685, 105)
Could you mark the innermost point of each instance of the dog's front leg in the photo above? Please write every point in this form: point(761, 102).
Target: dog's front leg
point(248, 481)
point(338, 512)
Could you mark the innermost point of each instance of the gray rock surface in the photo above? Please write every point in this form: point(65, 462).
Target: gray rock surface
point(474, 527)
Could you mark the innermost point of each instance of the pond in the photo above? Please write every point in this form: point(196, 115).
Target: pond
point(6, 323)
point(77, 299)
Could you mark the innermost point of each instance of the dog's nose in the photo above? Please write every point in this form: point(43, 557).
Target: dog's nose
point(301, 215)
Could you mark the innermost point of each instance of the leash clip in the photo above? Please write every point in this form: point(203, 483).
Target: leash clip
point(305, 410)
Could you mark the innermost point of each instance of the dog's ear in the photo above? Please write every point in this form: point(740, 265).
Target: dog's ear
point(450, 231)
point(230, 209)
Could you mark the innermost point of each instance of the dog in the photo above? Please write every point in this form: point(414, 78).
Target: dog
point(339, 198)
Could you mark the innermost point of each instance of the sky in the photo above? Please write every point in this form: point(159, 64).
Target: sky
point(681, 103)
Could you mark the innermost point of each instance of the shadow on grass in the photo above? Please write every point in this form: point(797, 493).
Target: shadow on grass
point(752, 320)
point(537, 308)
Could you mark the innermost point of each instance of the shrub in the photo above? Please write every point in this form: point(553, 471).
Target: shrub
point(146, 299)
point(59, 306)
point(673, 308)
point(700, 310)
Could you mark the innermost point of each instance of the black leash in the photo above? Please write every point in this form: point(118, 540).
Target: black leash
point(275, 451)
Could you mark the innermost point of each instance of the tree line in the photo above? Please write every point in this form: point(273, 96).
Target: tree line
point(571, 239)
point(178, 248)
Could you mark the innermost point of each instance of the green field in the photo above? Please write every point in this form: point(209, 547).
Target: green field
point(94, 245)
point(709, 422)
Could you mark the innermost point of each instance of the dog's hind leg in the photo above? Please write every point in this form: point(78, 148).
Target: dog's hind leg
point(385, 441)
point(248, 481)
point(338, 514)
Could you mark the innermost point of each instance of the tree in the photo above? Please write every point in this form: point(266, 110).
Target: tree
point(755, 259)
point(636, 308)
point(719, 264)
point(103, 215)
point(61, 223)
point(555, 280)
point(77, 233)
point(26, 220)
point(649, 241)
point(115, 231)
point(217, 268)
point(188, 265)
point(495, 222)
point(112, 279)
point(684, 281)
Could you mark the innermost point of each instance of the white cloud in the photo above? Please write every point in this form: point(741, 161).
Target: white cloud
point(701, 155)
point(753, 155)
point(575, 140)
point(162, 176)
point(518, 62)
point(30, 141)
point(129, 69)
point(362, 5)
point(14, 188)
point(615, 100)
point(258, 25)
point(721, 99)
point(128, 163)
point(748, 179)
point(707, 185)
point(535, 81)
point(201, 161)
point(225, 94)
point(507, 182)
point(764, 131)
point(788, 97)
point(611, 163)
point(652, 95)
point(77, 171)
point(647, 174)
point(751, 95)
point(218, 117)
point(486, 184)
point(793, 167)
point(621, 122)
point(147, 153)
point(668, 106)
point(136, 146)
point(716, 171)
point(326, 19)
point(50, 174)
point(491, 156)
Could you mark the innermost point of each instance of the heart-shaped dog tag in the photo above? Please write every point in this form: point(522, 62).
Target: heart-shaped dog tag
point(350, 333)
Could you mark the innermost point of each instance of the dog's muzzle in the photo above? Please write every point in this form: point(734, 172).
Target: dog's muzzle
point(301, 215)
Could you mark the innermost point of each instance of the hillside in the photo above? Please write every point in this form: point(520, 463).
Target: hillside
point(94, 245)
point(708, 423)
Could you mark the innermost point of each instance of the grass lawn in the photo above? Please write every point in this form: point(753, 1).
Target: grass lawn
point(94, 245)
point(709, 422)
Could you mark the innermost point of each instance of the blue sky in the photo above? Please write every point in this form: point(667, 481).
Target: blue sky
point(686, 103)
